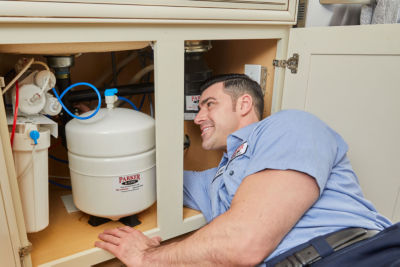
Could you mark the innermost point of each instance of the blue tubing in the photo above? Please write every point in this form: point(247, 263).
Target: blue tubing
point(130, 102)
point(142, 101)
point(60, 185)
point(57, 159)
point(69, 88)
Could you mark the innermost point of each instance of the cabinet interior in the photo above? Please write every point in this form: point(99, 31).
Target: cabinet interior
point(230, 56)
point(69, 233)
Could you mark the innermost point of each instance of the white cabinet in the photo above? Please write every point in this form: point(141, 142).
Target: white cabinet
point(145, 11)
point(54, 27)
point(10, 241)
point(253, 35)
point(348, 76)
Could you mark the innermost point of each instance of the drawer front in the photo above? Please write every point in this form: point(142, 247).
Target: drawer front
point(227, 11)
point(238, 4)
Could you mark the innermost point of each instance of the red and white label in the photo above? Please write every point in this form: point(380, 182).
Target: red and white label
point(127, 183)
point(192, 102)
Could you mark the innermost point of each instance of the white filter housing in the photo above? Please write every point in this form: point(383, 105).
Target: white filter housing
point(112, 162)
point(31, 164)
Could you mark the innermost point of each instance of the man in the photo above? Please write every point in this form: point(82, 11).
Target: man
point(281, 182)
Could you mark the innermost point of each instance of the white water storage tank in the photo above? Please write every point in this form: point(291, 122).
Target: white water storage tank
point(112, 162)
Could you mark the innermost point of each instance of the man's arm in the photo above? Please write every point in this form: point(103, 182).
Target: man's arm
point(266, 206)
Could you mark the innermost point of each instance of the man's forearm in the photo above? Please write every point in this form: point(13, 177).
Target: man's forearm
point(213, 245)
point(220, 243)
point(258, 219)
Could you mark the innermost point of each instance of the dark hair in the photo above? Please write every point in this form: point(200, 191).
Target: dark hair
point(236, 85)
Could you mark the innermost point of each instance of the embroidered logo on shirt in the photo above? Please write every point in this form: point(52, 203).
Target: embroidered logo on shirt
point(219, 172)
point(239, 151)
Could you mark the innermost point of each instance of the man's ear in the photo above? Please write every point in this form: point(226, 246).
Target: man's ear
point(244, 104)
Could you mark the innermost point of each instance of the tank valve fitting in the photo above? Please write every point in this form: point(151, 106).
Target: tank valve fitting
point(110, 97)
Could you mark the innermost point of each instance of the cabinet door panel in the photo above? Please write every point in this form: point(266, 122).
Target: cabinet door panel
point(348, 76)
point(7, 240)
point(249, 4)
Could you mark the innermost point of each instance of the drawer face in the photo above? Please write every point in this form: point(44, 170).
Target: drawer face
point(227, 11)
point(248, 4)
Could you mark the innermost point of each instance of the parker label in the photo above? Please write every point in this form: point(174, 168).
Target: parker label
point(127, 183)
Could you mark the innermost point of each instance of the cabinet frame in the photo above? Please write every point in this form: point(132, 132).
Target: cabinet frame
point(168, 43)
point(128, 25)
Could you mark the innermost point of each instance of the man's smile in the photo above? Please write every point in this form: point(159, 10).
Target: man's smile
point(204, 129)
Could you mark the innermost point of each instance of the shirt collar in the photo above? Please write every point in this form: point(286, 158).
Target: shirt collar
point(236, 138)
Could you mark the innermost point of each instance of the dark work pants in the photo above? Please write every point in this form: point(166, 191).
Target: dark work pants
point(383, 249)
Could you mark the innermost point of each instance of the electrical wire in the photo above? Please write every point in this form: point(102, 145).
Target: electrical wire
point(45, 84)
point(30, 163)
point(26, 67)
point(58, 159)
point(41, 63)
point(38, 95)
point(15, 113)
point(129, 102)
point(18, 75)
point(69, 88)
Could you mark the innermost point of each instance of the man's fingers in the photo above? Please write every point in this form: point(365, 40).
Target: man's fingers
point(156, 240)
point(110, 238)
point(115, 232)
point(126, 229)
point(113, 249)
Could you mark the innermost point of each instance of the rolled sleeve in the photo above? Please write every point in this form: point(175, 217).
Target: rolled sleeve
point(196, 190)
point(303, 144)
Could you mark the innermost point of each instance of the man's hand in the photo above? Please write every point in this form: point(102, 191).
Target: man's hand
point(127, 244)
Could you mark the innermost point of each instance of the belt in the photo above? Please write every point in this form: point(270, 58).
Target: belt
point(337, 241)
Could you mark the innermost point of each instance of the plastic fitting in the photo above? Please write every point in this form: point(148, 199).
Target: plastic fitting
point(110, 97)
point(34, 135)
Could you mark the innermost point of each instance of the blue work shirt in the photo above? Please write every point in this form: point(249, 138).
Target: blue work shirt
point(288, 140)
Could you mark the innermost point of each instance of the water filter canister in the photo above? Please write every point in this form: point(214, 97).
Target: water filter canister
point(30, 151)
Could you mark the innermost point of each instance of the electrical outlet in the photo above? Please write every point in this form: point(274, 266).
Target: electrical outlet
point(257, 73)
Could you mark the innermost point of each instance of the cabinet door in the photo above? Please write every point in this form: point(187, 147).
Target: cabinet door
point(6, 249)
point(12, 227)
point(8, 243)
point(349, 77)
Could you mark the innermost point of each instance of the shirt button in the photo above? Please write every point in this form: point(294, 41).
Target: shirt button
point(231, 173)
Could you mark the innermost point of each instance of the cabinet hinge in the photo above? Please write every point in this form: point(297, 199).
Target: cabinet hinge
point(292, 63)
point(24, 251)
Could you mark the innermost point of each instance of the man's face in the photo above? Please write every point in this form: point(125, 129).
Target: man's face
point(216, 117)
